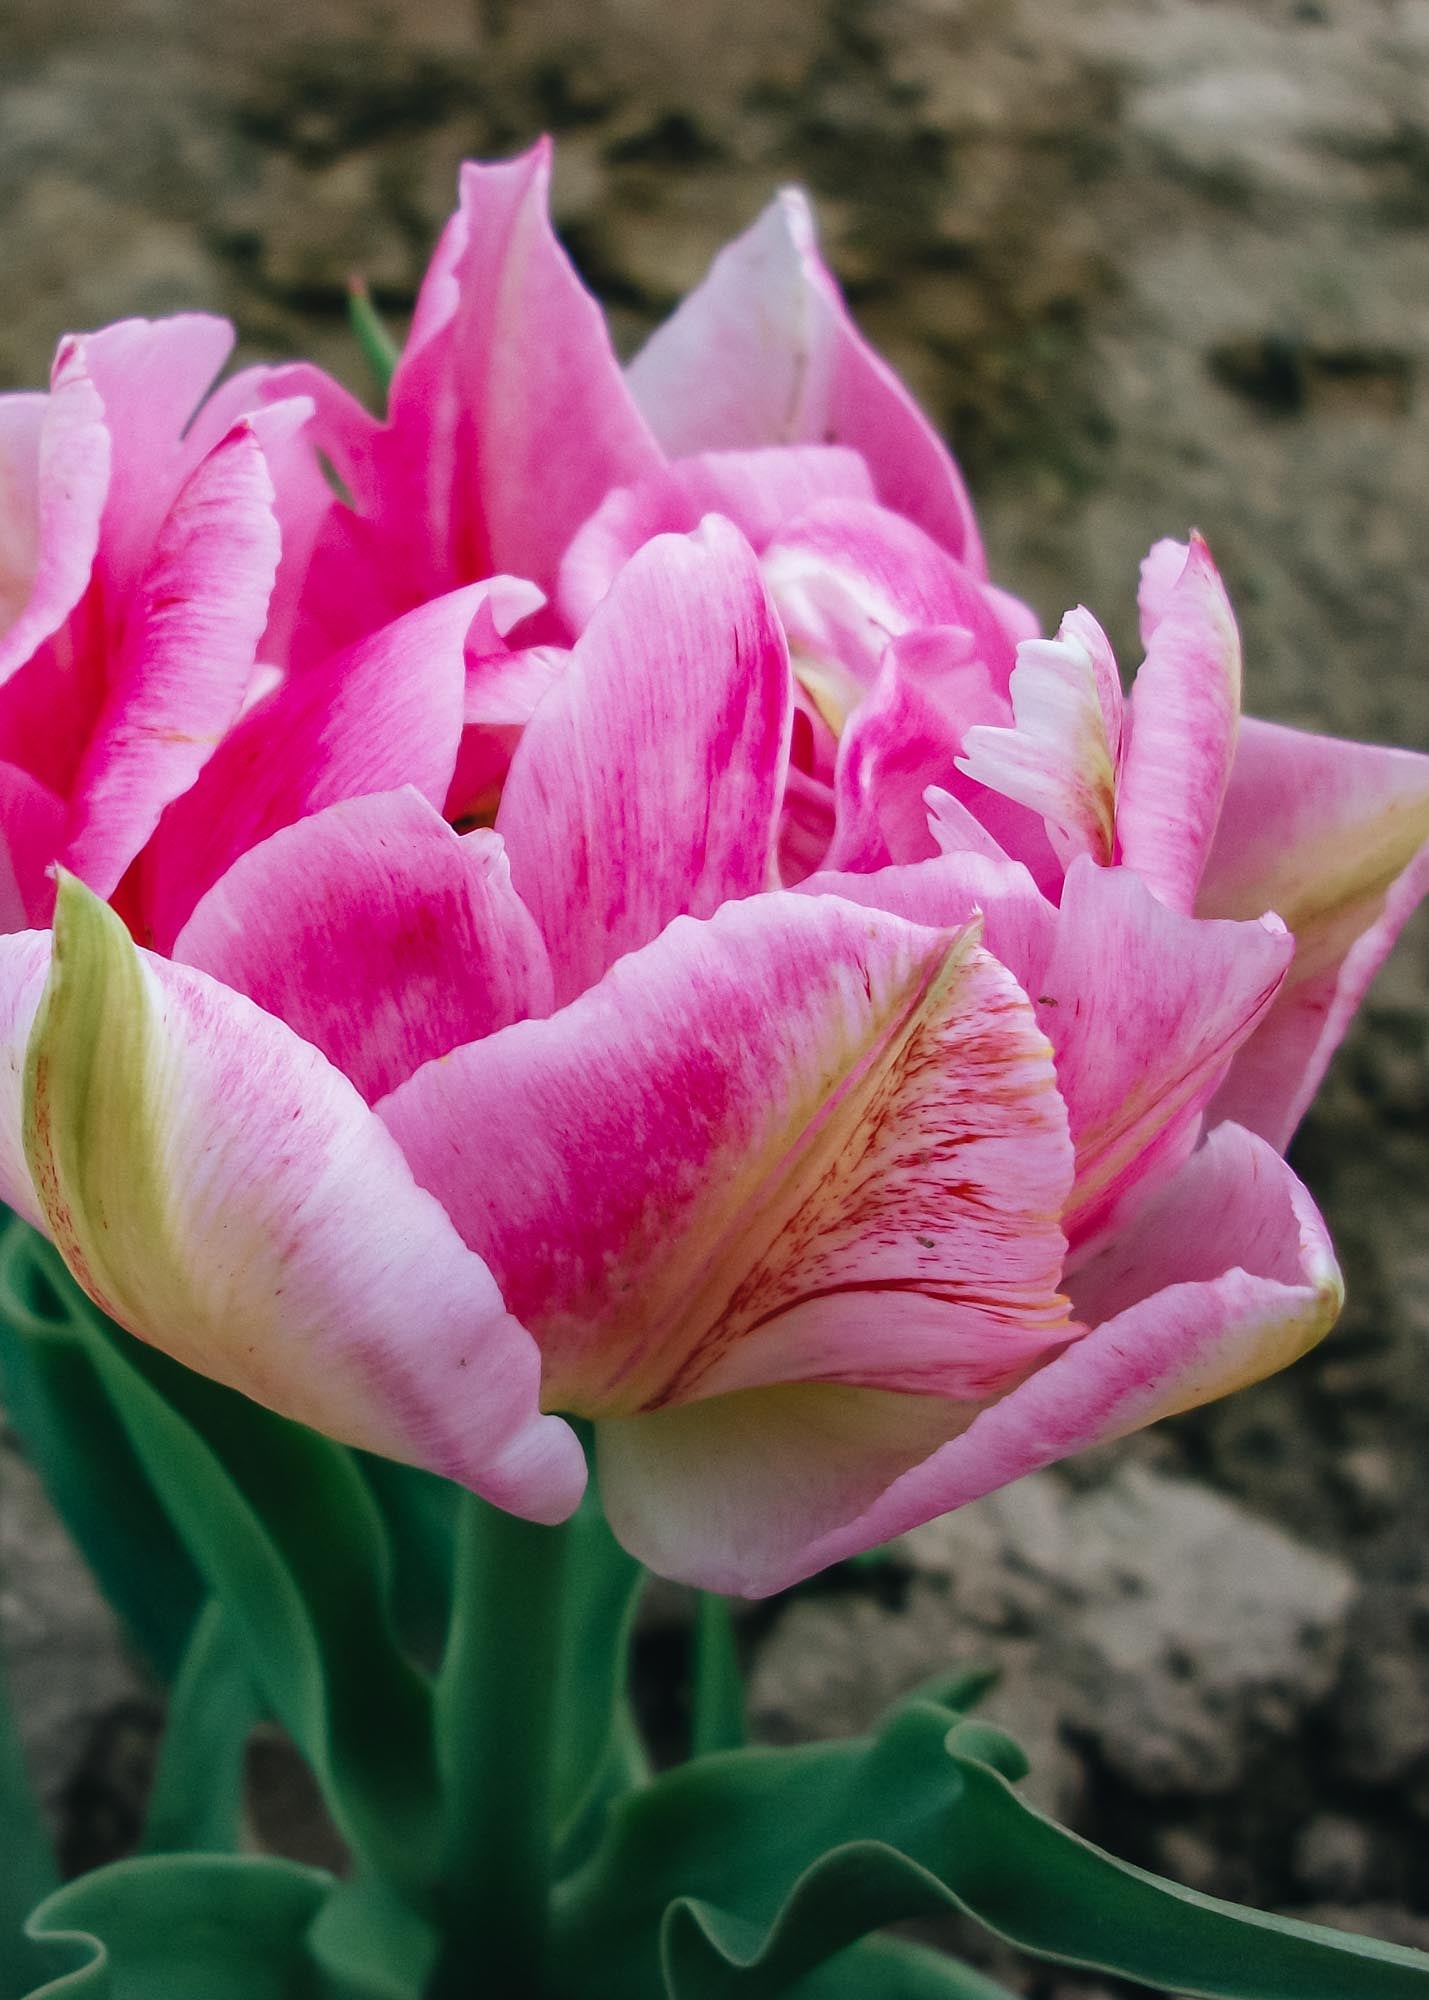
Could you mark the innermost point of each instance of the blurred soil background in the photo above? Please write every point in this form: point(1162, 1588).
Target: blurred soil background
point(1148, 265)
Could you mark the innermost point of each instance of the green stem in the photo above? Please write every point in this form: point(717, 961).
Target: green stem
point(717, 1705)
point(495, 1699)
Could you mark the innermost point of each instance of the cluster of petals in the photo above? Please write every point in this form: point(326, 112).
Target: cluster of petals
point(579, 898)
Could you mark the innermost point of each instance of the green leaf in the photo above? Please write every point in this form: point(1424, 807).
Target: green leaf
point(197, 1795)
point(181, 1926)
point(419, 1512)
point(379, 349)
point(757, 1868)
point(27, 1865)
point(371, 1945)
point(285, 1532)
point(717, 1708)
point(94, 1479)
point(893, 1969)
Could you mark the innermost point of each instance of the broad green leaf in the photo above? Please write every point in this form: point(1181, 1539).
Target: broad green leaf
point(286, 1534)
point(371, 1945)
point(94, 1479)
point(181, 1927)
point(197, 1795)
point(757, 1868)
point(893, 1969)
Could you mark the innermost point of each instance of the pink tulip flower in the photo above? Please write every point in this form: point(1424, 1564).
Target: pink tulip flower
point(604, 910)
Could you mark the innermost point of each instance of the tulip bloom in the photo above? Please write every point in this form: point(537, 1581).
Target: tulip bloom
point(607, 911)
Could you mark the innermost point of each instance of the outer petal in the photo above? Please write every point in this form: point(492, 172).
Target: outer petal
point(220, 1190)
point(191, 635)
point(1228, 1277)
point(798, 1140)
point(763, 352)
point(24, 966)
point(1060, 758)
point(648, 781)
point(31, 835)
point(376, 933)
point(1335, 838)
point(54, 475)
point(386, 713)
point(1185, 707)
point(758, 490)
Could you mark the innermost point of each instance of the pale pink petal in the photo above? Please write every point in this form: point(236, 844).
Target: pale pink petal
point(1060, 757)
point(848, 576)
point(956, 828)
point(1144, 1009)
point(24, 966)
point(760, 491)
point(224, 1193)
point(378, 934)
point(1334, 837)
point(1181, 734)
point(744, 1131)
point(54, 475)
point(648, 781)
point(902, 739)
point(1228, 1277)
point(1161, 571)
point(386, 713)
point(32, 821)
point(151, 376)
point(764, 353)
point(1018, 922)
point(191, 632)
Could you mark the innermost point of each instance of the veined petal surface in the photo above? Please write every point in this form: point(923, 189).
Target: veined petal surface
point(800, 1139)
point(1228, 1277)
point(647, 783)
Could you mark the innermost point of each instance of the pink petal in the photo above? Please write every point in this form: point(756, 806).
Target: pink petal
point(1228, 1277)
point(847, 577)
point(1144, 1009)
point(1334, 837)
point(378, 934)
point(764, 353)
point(510, 409)
point(902, 739)
point(648, 781)
point(31, 836)
point(151, 376)
point(797, 1139)
point(54, 475)
point(386, 713)
point(1018, 922)
point(758, 490)
point(1060, 757)
point(190, 641)
point(24, 966)
point(224, 1193)
point(1181, 733)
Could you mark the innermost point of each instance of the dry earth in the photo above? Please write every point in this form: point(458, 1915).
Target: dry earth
point(1149, 264)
